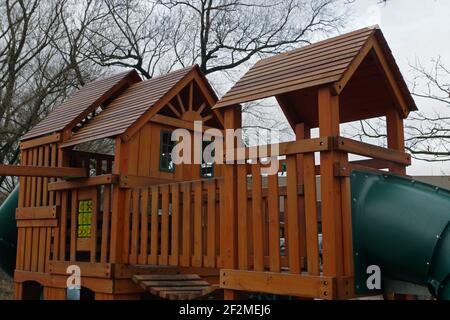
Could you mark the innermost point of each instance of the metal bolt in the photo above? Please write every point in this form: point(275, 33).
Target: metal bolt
point(356, 254)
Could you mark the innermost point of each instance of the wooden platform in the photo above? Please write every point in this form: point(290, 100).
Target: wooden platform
point(175, 286)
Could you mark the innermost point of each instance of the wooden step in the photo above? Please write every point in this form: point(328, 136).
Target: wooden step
point(175, 286)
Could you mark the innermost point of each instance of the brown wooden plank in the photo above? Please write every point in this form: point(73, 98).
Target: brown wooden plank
point(73, 225)
point(258, 220)
point(278, 283)
point(37, 223)
point(144, 226)
point(40, 141)
point(186, 256)
point(94, 219)
point(28, 213)
point(176, 236)
point(197, 258)
point(274, 223)
point(171, 283)
point(291, 147)
point(153, 258)
point(135, 227)
point(36, 170)
point(63, 225)
point(312, 246)
point(84, 183)
point(165, 277)
point(369, 150)
point(211, 232)
point(127, 226)
point(293, 219)
point(105, 223)
point(164, 255)
point(242, 194)
point(330, 186)
point(132, 181)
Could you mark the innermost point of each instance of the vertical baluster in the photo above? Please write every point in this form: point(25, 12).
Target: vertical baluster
point(153, 259)
point(164, 258)
point(293, 219)
point(135, 227)
point(274, 223)
point(198, 230)
point(312, 241)
point(175, 191)
point(211, 225)
point(242, 216)
point(126, 227)
point(105, 223)
point(258, 219)
point(186, 257)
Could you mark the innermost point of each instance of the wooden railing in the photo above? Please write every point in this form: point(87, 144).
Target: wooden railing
point(69, 242)
point(174, 224)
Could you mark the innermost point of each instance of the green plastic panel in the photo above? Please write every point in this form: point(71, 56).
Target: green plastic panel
point(8, 232)
point(400, 225)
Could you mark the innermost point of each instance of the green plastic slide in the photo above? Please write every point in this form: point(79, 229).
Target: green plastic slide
point(403, 227)
point(8, 232)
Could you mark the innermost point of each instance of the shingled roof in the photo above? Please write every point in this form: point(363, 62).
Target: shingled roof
point(81, 103)
point(321, 63)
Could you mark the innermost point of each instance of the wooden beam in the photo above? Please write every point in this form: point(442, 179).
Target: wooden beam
point(40, 171)
point(88, 269)
point(174, 110)
point(53, 138)
point(291, 147)
point(37, 223)
point(390, 79)
point(60, 281)
point(356, 62)
point(132, 181)
point(83, 183)
point(372, 151)
point(178, 123)
point(279, 283)
point(49, 212)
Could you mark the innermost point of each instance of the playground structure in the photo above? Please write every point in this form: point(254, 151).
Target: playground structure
point(134, 222)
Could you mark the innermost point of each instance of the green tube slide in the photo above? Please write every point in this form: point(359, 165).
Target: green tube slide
point(8, 232)
point(403, 227)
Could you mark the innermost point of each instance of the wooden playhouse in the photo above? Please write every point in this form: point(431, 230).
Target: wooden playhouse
point(136, 223)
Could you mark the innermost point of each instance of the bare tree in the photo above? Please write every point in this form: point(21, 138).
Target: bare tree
point(219, 35)
point(40, 64)
point(427, 132)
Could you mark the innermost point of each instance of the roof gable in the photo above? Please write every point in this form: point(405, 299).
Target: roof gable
point(81, 103)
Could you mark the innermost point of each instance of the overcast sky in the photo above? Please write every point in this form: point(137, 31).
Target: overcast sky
point(414, 29)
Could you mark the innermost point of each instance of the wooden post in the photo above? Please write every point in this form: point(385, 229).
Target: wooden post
point(330, 189)
point(232, 119)
point(395, 137)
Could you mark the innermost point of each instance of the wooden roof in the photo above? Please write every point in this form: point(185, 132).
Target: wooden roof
point(81, 103)
point(130, 106)
point(329, 62)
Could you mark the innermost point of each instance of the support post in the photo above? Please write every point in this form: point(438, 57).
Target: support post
point(395, 137)
point(328, 107)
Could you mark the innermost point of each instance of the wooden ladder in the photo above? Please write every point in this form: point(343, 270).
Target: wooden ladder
point(175, 286)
